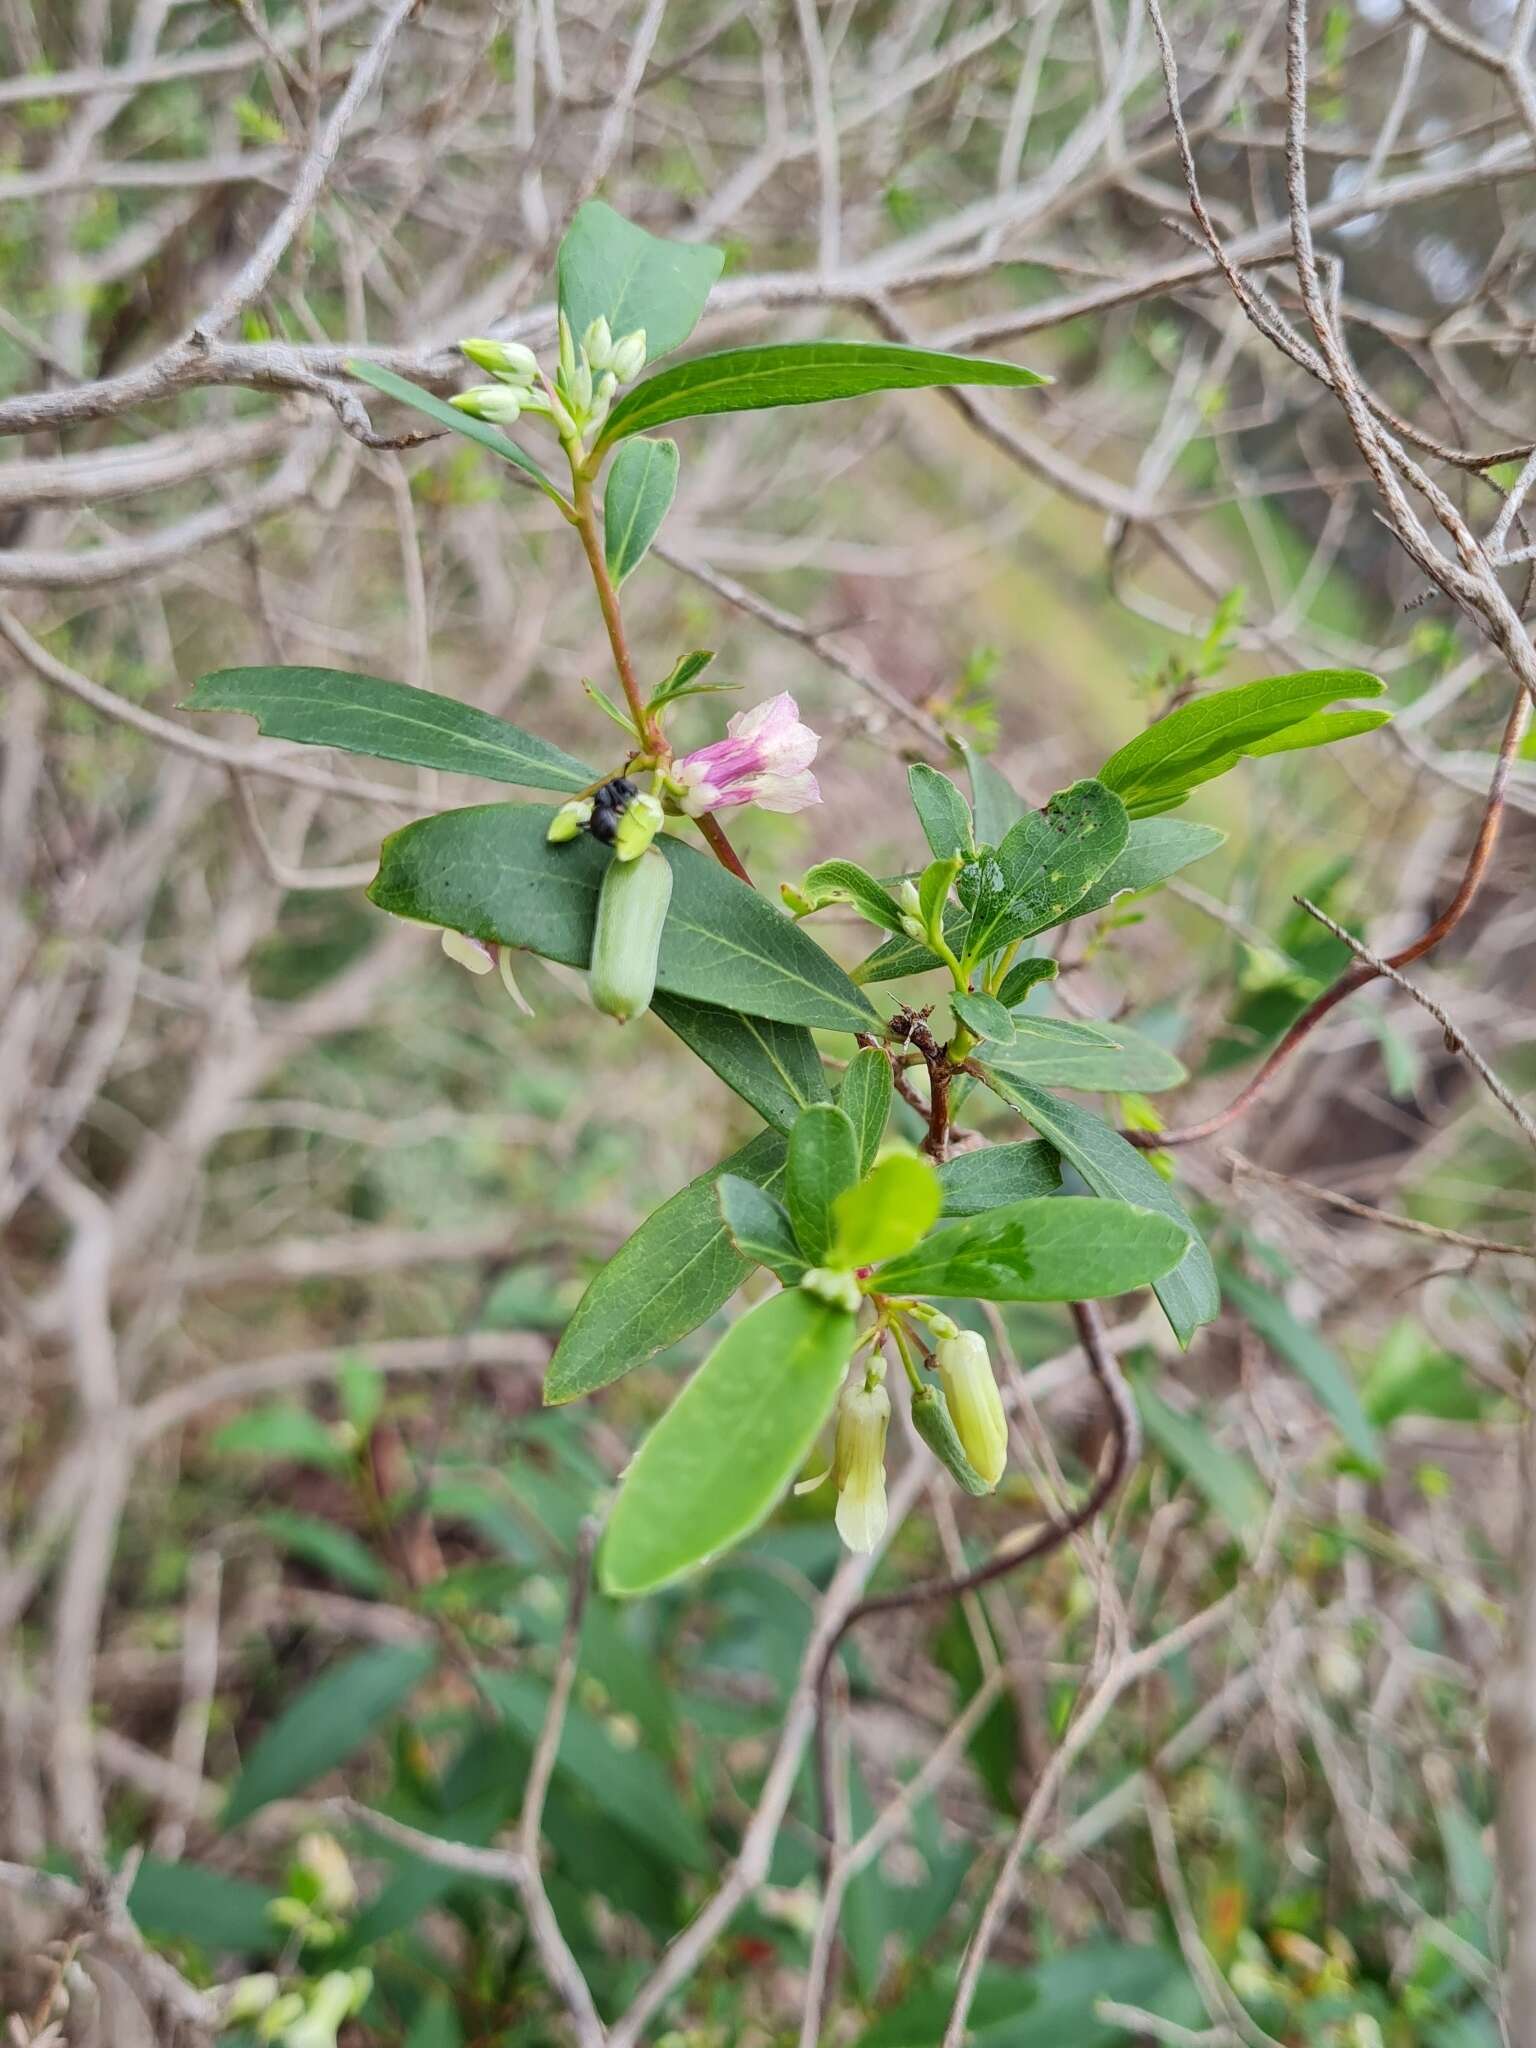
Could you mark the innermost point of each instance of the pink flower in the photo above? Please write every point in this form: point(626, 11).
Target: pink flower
point(765, 759)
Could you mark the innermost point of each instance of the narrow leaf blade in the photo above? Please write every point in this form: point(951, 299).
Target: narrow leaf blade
point(823, 1162)
point(942, 811)
point(456, 422)
point(637, 498)
point(865, 1096)
point(760, 1228)
point(775, 1067)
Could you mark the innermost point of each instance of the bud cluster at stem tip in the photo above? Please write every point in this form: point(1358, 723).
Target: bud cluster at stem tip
point(586, 379)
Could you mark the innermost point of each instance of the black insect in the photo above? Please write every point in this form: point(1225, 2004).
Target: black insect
point(608, 806)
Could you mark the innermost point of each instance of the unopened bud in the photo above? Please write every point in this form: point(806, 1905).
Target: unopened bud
point(838, 1289)
point(909, 899)
point(626, 940)
point(640, 821)
point(934, 1424)
point(508, 359)
point(628, 357)
point(569, 822)
point(279, 2016)
point(602, 399)
point(567, 347)
point(323, 1859)
point(598, 343)
point(577, 387)
point(497, 403)
point(249, 1998)
point(975, 1405)
point(858, 1461)
point(796, 900)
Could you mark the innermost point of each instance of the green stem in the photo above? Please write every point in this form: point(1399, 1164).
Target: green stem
point(913, 1375)
point(585, 522)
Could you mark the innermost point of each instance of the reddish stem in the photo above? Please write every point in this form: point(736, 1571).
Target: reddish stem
point(721, 847)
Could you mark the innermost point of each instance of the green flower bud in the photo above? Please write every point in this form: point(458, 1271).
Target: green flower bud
point(498, 403)
point(324, 1860)
point(569, 822)
point(975, 1405)
point(508, 359)
point(858, 1460)
point(934, 1424)
point(598, 343)
point(249, 1998)
point(631, 912)
point(830, 1284)
point(642, 819)
point(628, 357)
point(602, 399)
point(330, 2003)
point(567, 347)
point(909, 899)
point(279, 2016)
point(796, 900)
point(577, 388)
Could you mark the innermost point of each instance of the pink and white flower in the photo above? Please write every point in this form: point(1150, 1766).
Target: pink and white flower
point(764, 759)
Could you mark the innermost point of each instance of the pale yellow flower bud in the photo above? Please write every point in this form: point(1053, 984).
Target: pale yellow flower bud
point(497, 403)
point(508, 359)
point(858, 1462)
point(838, 1289)
point(569, 821)
point(975, 1405)
point(598, 343)
point(627, 358)
point(642, 819)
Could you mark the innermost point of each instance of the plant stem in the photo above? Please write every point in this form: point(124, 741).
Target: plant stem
point(721, 847)
point(585, 522)
point(898, 1337)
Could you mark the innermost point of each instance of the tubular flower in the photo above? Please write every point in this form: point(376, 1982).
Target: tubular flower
point(858, 1461)
point(975, 1405)
point(480, 956)
point(764, 759)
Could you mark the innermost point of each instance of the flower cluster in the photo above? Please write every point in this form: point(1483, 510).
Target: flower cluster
point(765, 759)
point(586, 381)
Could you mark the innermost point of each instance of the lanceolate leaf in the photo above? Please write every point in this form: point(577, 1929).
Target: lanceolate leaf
point(488, 871)
point(775, 1067)
point(1131, 1062)
point(389, 721)
point(865, 1096)
point(1070, 1248)
point(760, 1228)
point(729, 1445)
point(676, 1270)
point(636, 499)
point(1205, 738)
point(1156, 849)
point(993, 1175)
point(942, 811)
point(326, 1723)
point(995, 801)
point(1113, 1168)
point(608, 266)
point(823, 1161)
point(456, 422)
point(795, 373)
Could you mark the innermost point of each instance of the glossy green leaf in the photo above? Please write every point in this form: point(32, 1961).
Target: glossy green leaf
point(1228, 1481)
point(934, 885)
point(898, 958)
point(795, 373)
point(844, 881)
point(993, 1175)
point(942, 811)
point(1069, 1248)
point(389, 721)
point(729, 1445)
point(775, 1067)
point(328, 1720)
point(607, 266)
point(984, 1017)
point(888, 1212)
point(676, 1270)
point(636, 498)
point(683, 681)
point(996, 803)
point(456, 422)
point(865, 1096)
point(1318, 1364)
point(760, 1228)
point(1127, 1062)
point(488, 871)
point(1156, 849)
point(1116, 1170)
point(1206, 737)
point(1321, 730)
point(1046, 862)
point(823, 1161)
point(1022, 978)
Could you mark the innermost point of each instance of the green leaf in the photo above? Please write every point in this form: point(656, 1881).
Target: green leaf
point(823, 1161)
point(1113, 1168)
point(1019, 980)
point(682, 682)
point(1129, 1062)
point(676, 1270)
point(984, 1017)
point(488, 871)
point(607, 266)
point(636, 499)
point(938, 878)
point(775, 1067)
point(328, 1721)
point(1156, 849)
point(282, 1431)
point(1320, 730)
point(1048, 860)
point(865, 1096)
point(898, 958)
point(795, 373)
point(336, 1552)
point(389, 721)
point(886, 1213)
point(844, 881)
point(1322, 1368)
point(1205, 738)
point(1069, 1248)
point(1229, 1482)
point(942, 811)
point(480, 431)
point(189, 1902)
point(731, 1442)
point(760, 1228)
point(993, 1175)
point(994, 799)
